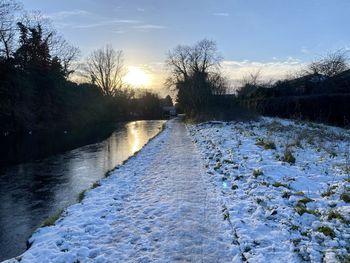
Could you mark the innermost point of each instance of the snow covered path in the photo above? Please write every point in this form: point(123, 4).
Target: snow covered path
point(158, 207)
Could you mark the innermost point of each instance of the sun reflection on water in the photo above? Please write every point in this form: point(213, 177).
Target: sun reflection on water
point(135, 140)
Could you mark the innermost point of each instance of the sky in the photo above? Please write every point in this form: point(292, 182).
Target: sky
point(274, 36)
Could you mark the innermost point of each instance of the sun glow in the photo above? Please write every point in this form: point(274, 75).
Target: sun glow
point(137, 77)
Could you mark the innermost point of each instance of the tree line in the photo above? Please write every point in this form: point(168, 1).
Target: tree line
point(319, 92)
point(36, 93)
point(35, 88)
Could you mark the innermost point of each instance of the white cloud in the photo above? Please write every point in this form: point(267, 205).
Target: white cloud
point(65, 14)
point(149, 26)
point(107, 23)
point(221, 14)
point(141, 9)
point(274, 70)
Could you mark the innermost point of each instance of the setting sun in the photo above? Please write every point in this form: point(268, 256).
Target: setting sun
point(137, 77)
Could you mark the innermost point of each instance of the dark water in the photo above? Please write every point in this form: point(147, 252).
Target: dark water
point(32, 191)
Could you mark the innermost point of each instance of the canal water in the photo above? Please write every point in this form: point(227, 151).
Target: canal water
point(32, 191)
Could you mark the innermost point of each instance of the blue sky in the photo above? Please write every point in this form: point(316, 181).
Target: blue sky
point(249, 33)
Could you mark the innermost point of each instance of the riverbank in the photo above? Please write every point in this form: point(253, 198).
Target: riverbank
point(286, 187)
point(30, 192)
point(159, 206)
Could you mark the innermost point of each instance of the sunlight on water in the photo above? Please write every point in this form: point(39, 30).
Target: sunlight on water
point(135, 133)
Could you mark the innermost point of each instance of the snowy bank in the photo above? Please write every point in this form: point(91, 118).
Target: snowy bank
point(160, 206)
point(286, 187)
point(70, 238)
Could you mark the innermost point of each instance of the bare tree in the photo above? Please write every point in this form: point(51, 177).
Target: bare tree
point(66, 53)
point(8, 13)
point(330, 65)
point(185, 60)
point(195, 74)
point(219, 84)
point(105, 68)
point(252, 78)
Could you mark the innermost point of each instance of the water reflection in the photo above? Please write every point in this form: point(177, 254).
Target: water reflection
point(31, 192)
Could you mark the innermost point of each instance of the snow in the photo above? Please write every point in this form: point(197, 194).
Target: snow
point(216, 192)
point(263, 193)
point(160, 206)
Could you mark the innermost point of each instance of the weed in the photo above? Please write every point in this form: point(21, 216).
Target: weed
point(81, 196)
point(305, 200)
point(296, 241)
point(333, 155)
point(259, 201)
point(279, 184)
point(327, 231)
point(96, 184)
point(238, 177)
point(267, 184)
point(294, 227)
point(257, 173)
point(304, 233)
point(267, 145)
point(288, 157)
point(225, 213)
point(286, 194)
point(334, 214)
point(217, 166)
point(52, 219)
point(345, 197)
point(296, 143)
point(301, 209)
point(328, 193)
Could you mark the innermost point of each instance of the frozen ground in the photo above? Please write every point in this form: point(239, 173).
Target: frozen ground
point(158, 207)
point(285, 186)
